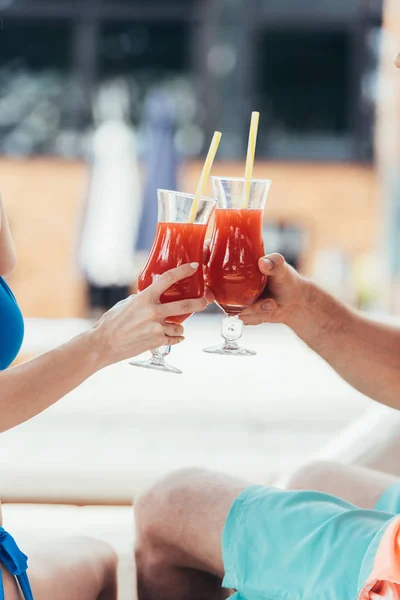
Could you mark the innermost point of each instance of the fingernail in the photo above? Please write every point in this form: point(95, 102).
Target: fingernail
point(268, 261)
point(267, 305)
point(194, 265)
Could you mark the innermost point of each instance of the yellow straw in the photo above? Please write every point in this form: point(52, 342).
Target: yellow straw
point(205, 174)
point(251, 150)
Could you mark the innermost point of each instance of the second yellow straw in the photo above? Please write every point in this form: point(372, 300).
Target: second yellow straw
point(251, 151)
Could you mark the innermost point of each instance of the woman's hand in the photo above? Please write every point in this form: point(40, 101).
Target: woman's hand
point(133, 326)
point(138, 323)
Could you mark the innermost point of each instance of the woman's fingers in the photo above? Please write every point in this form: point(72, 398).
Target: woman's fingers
point(167, 279)
point(173, 341)
point(209, 296)
point(173, 330)
point(182, 307)
point(145, 316)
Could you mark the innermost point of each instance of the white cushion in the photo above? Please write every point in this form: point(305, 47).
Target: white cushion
point(251, 417)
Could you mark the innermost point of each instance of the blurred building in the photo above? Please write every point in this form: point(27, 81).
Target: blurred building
point(309, 67)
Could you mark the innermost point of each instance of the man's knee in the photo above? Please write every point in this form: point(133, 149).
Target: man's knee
point(158, 517)
point(158, 509)
point(318, 476)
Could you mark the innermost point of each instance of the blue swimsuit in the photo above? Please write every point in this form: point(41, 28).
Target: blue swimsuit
point(11, 337)
point(11, 326)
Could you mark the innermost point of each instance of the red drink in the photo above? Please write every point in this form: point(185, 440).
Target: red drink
point(232, 272)
point(176, 244)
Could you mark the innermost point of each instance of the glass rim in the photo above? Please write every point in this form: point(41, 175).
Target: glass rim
point(241, 179)
point(184, 195)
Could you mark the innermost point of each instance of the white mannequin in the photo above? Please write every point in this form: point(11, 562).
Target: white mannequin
point(113, 206)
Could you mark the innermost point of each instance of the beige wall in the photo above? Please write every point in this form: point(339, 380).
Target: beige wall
point(43, 199)
point(336, 203)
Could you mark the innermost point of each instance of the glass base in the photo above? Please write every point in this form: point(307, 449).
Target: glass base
point(157, 365)
point(230, 349)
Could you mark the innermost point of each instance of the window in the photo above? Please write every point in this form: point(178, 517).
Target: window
point(35, 44)
point(152, 3)
point(144, 55)
point(154, 48)
point(34, 72)
point(369, 89)
point(303, 91)
point(30, 7)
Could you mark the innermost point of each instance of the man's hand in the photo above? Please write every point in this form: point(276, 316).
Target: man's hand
point(286, 294)
point(365, 353)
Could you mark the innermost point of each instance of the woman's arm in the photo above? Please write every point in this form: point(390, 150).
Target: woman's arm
point(133, 326)
point(8, 257)
point(27, 390)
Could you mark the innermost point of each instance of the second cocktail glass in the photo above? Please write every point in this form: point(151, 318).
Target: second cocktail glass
point(232, 271)
point(179, 239)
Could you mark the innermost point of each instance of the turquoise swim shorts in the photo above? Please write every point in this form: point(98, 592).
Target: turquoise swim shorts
point(304, 545)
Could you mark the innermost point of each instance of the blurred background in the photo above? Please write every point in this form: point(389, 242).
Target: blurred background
point(170, 73)
point(104, 101)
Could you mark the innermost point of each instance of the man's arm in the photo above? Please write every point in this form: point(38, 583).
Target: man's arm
point(8, 257)
point(365, 353)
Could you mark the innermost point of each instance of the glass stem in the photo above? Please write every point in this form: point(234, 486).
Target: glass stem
point(231, 331)
point(160, 353)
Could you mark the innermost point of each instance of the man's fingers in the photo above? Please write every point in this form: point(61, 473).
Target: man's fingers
point(182, 307)
point(168, 279)
point(250, 320)
point(272, 265)
point(265, 306)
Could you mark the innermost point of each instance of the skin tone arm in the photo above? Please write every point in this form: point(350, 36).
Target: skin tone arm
point(365, 353)
point(8, 257)
point(133, 326)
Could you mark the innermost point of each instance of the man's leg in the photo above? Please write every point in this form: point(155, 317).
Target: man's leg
point(360, 486)
point(69, 569)
point(179, 525)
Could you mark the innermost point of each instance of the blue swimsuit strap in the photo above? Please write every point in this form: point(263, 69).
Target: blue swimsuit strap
point(15, 562)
